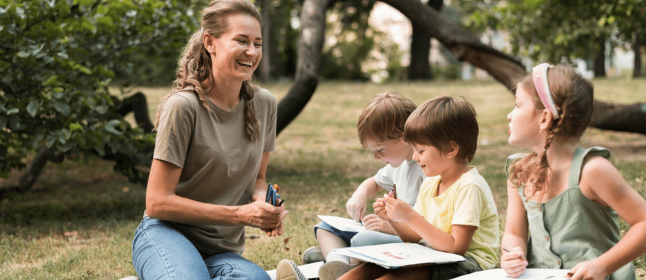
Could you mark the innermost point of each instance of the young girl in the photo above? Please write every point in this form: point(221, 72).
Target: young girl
point(455, 211)
point(563, 195)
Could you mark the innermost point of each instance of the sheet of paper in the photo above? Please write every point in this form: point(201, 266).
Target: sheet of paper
point(342, 223)
point(399, 255)
point(530, 274)
point(310, 271)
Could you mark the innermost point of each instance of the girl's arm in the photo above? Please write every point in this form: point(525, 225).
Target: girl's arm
point(515, 237)
point(162, 203)
point(602, 182)
point(399, 211)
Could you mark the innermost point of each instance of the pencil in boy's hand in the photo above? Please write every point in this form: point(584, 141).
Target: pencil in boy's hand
point(393, 192)
point(509, 251)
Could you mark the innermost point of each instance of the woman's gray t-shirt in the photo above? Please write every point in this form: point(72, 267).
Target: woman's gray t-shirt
point(219, 162)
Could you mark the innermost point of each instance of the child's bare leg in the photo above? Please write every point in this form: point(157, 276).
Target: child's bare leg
point(328, 242)
point(365, 271)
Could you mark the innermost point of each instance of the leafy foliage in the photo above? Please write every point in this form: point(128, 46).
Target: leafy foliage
point(552, 30)
point(57, 59)
point(355, 38)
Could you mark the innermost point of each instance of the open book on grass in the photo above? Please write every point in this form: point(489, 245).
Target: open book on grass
point(398, 255)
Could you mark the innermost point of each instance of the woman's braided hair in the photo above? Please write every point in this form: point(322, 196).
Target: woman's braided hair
point(195, 68)
point(573, 96)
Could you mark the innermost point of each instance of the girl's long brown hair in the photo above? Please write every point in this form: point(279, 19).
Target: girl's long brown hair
point(194, 69)
point(573, 96)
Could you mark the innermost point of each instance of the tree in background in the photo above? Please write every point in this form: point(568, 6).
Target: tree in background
point(463, 44)
point(420, 46)
point(353, 37)
point(57, 59)
point(551, 30)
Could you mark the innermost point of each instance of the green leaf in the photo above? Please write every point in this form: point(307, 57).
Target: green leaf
point(100, 150)
point(85, 2)
point(51, 139)
point(105, 20)
point(15, 123)
point(51, 81)
point(67, 133)
point(65, 147)
point(75, 127)
point(85, 70)
point(12, 111)
point(61, 138)
point(110, 127)
point(23, 54)
point(61, 107)
point(3, 122)
point(38, 135)
point(32, 108)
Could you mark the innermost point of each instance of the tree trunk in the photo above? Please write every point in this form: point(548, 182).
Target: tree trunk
point(265, 63)
point(307, 69)
point(30, 175)
point(637, 66)
point(600, 60)
point(464, 45)
point(420, 48)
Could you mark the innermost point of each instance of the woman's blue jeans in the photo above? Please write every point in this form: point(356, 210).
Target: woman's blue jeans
point(161, 252)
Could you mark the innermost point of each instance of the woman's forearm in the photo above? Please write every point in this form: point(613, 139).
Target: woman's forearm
point(183, 210)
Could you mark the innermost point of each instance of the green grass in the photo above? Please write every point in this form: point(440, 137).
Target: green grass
point(78, 221)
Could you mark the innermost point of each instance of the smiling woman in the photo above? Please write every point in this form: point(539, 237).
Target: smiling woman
point(215, 133)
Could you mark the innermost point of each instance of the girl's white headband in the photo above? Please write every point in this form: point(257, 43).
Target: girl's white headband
point(539, 74)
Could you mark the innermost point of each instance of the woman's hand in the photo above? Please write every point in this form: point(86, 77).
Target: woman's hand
point(278, 231)
point(513, 263)
point(374, 223)
point(397, 209)
point(380, 209)
point(261, 214)
point(590, 270)
point(356, 206)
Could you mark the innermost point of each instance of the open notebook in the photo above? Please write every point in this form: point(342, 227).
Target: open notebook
point(530, 274)
point(397, 255)
point(342, 224)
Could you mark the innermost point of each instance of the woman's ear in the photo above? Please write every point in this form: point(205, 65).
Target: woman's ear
point(545, 120)
point(209, 43)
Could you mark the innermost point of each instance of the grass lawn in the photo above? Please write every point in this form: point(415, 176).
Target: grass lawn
point(78, 221)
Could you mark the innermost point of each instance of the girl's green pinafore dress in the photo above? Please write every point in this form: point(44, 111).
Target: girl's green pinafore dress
point(570, 228)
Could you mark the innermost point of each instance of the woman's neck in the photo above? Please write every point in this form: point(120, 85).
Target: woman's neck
point(225, 93)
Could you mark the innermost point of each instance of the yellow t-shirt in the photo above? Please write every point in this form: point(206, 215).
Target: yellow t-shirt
point(467, 202)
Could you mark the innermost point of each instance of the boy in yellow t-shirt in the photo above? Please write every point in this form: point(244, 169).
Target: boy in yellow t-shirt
point(455, 211)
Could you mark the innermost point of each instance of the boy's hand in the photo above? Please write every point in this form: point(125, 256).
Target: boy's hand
point(356, 207)
point(380, 209)
point(590, 270)
point(397, 209)
point(513, 263)
point(374, 223)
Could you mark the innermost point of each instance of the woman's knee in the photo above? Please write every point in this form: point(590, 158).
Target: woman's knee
point(161, 252)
